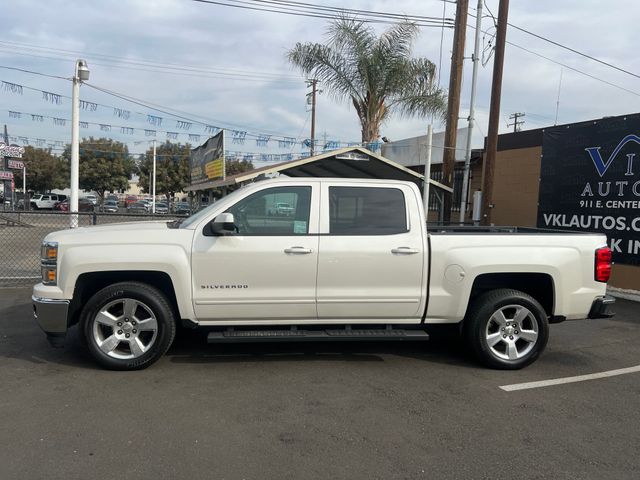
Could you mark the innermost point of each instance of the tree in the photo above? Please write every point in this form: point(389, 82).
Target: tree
point(377, 74)
point(44, 170)
point(172, 169)
point(105, 165)
point(235, 166)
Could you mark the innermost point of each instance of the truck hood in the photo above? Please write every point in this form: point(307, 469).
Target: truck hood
point(115, 233)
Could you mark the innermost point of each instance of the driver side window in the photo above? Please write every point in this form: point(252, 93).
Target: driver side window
point(278, 211)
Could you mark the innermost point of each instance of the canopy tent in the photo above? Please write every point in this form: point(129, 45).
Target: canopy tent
point(349, 162)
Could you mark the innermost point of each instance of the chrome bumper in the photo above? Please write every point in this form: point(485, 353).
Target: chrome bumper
point(51, 314)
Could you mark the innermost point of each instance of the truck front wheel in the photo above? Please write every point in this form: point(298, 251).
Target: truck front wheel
point(506, 329)
point(128, 325)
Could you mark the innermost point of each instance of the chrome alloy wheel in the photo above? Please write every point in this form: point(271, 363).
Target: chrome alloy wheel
point(512, 332)
point(125, 328)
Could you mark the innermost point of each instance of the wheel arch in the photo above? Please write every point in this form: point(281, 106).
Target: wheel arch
point(89, 283)
point(539, 285)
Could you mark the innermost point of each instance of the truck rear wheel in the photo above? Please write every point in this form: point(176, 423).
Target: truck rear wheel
point(128, 326)
point(506, 329)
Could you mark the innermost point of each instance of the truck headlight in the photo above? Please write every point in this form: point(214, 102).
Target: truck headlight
point(49, 263)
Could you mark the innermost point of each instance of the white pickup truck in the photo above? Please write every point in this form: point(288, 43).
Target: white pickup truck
point(353, 261)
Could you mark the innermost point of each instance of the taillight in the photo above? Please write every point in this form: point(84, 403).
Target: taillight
point(603, 264)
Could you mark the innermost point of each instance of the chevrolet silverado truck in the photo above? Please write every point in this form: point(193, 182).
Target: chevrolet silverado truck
point(354, 260)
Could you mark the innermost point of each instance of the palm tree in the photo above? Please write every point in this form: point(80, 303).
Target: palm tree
point(378, 74)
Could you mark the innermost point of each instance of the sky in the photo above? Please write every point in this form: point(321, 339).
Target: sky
point(230, 69)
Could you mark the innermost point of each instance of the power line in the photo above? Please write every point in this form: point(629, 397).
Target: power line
point(594, 77)
point(34, 73)
point(176, 69)
point(573, 50)
point(310, 12)
point(565, 47)
point(343, 10)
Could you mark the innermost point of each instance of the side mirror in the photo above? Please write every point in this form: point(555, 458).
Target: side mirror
point(223, 224)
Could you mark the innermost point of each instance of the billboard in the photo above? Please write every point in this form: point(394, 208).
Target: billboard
point(590, 181)
point(207, 160)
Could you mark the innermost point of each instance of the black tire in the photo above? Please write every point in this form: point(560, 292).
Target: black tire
point(483, 325)
point(149, 304)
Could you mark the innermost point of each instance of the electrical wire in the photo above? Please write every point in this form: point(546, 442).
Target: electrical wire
point(302, 12)
point(573, 50)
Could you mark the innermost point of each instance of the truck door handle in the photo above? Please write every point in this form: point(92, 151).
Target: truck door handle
point(298, 250)
point(404, 251)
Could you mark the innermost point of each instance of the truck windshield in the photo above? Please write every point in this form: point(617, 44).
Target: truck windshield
point(196, 217)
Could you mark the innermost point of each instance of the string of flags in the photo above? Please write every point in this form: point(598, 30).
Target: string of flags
point(238, 137)
point(229, 154)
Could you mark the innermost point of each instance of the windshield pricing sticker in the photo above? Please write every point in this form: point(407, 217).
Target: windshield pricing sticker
point(299, 226)
point(590, 181)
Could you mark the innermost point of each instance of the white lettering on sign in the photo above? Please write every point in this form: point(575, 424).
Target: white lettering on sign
point(6, 175)
point(16, 164)
point(13, 151)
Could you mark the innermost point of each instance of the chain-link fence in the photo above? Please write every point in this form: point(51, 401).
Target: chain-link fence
point(21, 234)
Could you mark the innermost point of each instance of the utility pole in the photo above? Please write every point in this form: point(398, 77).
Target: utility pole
point(516, 123)
point(153, 194)
point(494, 112)
point(311, 97)
point(472, 111)
point(453, 108)
point(5, 166)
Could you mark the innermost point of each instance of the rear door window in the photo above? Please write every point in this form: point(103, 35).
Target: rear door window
point(367, 211)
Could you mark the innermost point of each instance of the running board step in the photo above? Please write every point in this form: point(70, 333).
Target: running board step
point(296, 335)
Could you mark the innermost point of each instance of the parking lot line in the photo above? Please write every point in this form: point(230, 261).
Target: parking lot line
point(577, 378)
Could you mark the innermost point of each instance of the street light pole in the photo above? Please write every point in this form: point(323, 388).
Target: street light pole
point(153, 190)
point(472, 108)
point(24, 186)
point(81, 74)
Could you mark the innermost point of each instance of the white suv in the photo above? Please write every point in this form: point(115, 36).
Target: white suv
point(44, 201)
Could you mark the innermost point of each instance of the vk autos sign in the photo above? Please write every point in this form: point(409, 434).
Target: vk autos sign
point(590, 181)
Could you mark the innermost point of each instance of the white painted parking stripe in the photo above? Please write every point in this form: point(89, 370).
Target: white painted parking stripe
point(577, 378)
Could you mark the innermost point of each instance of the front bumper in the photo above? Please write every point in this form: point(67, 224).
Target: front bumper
point(51, 315)
point(601, 307)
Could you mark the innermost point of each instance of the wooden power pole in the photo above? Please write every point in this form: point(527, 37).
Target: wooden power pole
point(494, 112)
point(453, 108)
point(314, 90)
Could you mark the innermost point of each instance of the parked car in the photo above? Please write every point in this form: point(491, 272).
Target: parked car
point(162, 208)
point(130, 200)
point(137, 207)
point(92, 198)
point(44, 201)
point(367, 273)
point(182, 208)
point(283, 209)
point(84, 205)
point(110, 206)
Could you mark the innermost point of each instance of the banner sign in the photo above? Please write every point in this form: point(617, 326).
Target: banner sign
point(207, 160)
point(590, 181)
point(6, 175)
point(15, 164)
point(13, 151)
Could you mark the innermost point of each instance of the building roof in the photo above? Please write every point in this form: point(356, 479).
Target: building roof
point(349, 162)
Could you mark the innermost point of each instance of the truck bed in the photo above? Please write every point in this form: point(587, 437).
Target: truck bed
point(435, 229)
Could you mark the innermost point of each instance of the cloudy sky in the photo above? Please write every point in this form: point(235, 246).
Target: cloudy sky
point(226, 67)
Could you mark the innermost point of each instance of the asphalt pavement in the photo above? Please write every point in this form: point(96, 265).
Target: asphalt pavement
point(422, 410)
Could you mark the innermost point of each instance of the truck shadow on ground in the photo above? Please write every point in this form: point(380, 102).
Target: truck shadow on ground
point(444, 347)
point(21, 339)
